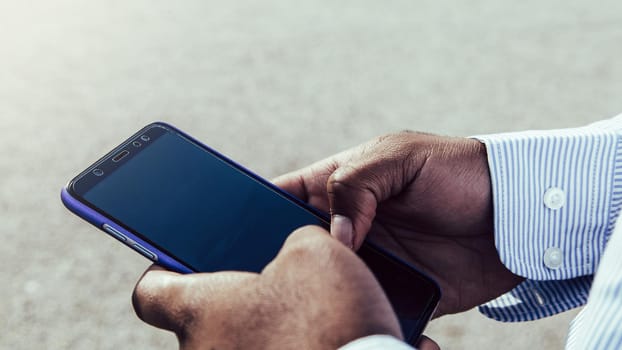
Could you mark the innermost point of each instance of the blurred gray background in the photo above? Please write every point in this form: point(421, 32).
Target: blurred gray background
point(274, 84)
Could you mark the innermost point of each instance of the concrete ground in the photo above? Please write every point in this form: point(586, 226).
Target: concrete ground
point(275, 84)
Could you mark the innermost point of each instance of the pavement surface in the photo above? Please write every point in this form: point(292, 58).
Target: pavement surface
point(276, 85)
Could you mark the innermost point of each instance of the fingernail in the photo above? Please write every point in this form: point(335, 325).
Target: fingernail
point(341, 228)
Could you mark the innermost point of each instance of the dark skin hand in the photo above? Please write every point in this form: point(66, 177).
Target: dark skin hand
point(426, 198)
point(316, 294)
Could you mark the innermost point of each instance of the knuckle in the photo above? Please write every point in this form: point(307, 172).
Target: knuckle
point(306, 237)
point(349, 179)
point(137, 302)
point(342, 175)
point(393, 137)
point(145, 302)
point(156, 299)
point(307, 245)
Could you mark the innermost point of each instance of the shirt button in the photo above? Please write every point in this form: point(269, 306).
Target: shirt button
point(553, 258)
point(554, 198)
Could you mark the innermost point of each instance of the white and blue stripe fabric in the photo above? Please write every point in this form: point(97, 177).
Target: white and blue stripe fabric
point(585, 164)
point(599, 324)
point(557, 196)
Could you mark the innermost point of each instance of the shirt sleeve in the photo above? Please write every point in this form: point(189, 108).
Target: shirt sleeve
point(556, 196)
point(599, 324)
point(377, 342)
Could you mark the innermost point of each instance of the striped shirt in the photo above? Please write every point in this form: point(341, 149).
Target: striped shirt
point(557, 195)
point(585, 166)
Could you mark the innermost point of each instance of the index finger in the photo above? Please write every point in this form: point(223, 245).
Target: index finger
point(294, 183)
point(171, 301)
point(309, 183)
point(153, 294)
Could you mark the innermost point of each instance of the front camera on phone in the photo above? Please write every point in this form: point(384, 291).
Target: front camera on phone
point(136, 144)
point(145, 138)
point(98, 172)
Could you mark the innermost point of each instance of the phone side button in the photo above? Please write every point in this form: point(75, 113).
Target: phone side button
point(114, 232)
point(144, 251)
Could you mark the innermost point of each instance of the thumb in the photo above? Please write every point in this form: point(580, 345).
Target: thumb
point(354, 192)
point(379, 170)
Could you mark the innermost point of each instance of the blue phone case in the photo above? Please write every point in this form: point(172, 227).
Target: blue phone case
point(126, 237)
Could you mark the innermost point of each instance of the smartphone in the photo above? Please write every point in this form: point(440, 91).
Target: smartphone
point(190, 209)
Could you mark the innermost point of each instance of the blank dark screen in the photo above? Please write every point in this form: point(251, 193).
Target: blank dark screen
point(202, 210)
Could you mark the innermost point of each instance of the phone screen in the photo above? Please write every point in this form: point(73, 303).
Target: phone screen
point(209, 214)
point(197, 206)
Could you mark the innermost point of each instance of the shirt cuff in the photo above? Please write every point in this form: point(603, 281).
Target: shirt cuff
point(377, 342)
point(556, 195)
point(556, 243)
point(532, 300)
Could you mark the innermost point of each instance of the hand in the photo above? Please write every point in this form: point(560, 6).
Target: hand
point(426, 198)
point(316, 294)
